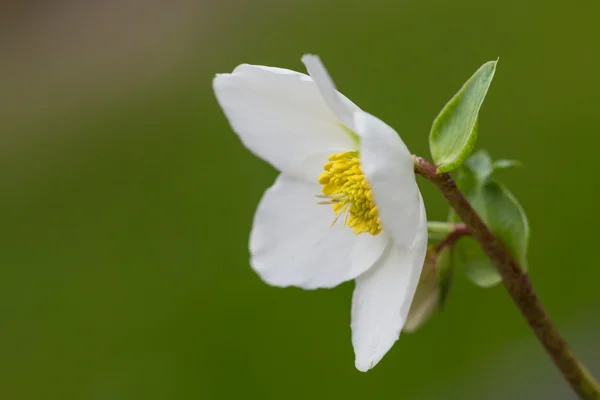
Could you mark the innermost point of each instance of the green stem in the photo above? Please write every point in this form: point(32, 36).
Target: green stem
point(439, 230)
point(517, 284)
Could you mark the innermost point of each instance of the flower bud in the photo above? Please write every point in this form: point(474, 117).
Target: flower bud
point(433, 287)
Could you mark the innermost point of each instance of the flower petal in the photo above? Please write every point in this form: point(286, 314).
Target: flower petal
point(382, 299)
point(389, 169)
point(292, 244)
point(281, 117)
point(339, 105)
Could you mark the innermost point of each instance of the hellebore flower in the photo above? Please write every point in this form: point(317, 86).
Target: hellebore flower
point(346, 205)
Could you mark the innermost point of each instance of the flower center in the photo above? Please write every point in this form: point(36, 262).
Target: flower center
point(347, 190)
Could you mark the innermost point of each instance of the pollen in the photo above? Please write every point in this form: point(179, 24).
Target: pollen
point(347, 190)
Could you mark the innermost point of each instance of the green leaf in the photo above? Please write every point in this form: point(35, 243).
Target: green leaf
point(507, 219)
point(475, 173)
point(454, 131)
point(475, 196)
point(498, 208)
point(481, 165)
point(478, 267)
point(445, 274)
point(465, 179)
point(467, 183)
point(505, 164)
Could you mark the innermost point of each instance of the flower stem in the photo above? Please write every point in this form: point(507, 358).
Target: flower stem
point(440, 230)
point(458, 231)
point(517, 284)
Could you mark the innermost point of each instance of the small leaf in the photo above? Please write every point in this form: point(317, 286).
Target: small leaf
point(482, 166)
point(507, 219)
point(473, 175)
point(465, 179)
point(466, 182)
point(478, 267)
point(454, 131)
point(477, 200)
point(445, 274)
point(480, 163)
point(498, 208)
point(505, 164)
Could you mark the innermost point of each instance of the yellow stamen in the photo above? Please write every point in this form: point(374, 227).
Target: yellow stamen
point(347, 190)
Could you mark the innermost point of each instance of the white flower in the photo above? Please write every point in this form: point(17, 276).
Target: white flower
point(325, 145)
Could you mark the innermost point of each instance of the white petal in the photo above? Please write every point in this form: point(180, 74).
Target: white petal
point(341, 106)
point(382, 299)
point(292, 244)
point(389, 169)
point(281, 117)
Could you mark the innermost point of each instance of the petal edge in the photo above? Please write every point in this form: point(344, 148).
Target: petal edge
point(389, 169)
point(382, 299)
point(281, 117)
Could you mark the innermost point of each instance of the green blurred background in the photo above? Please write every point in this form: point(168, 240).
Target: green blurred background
point(126, 199)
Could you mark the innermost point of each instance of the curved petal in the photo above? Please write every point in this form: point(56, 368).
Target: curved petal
point(343, 108)
point(292, 244)
point(281, 117)
point(388, 167)
point(382, 299)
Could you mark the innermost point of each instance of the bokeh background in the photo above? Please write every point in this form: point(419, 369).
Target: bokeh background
point(126, 200)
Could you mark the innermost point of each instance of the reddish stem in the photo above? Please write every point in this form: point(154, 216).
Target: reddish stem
point(459, 231)
point(517, 283)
